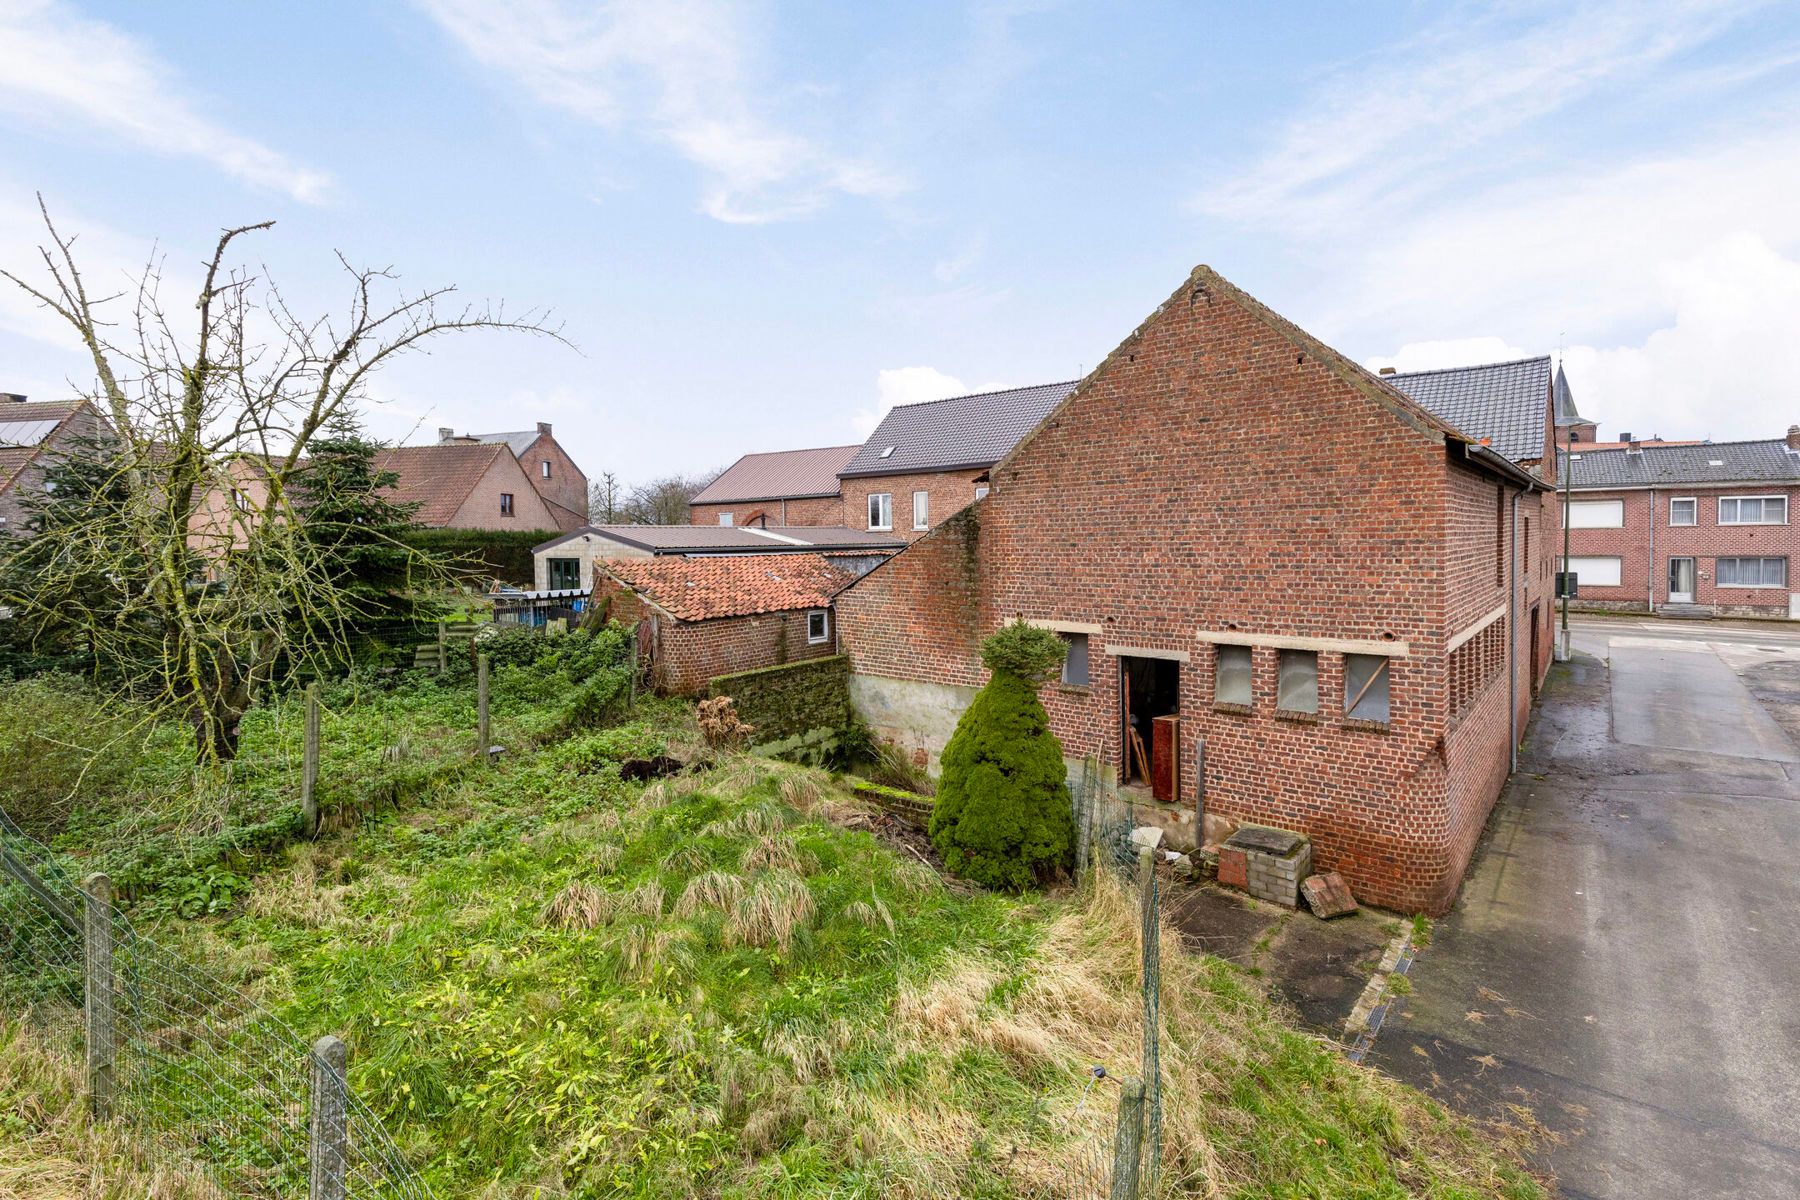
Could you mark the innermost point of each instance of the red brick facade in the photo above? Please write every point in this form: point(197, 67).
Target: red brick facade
point(681, 657)
point(1646, 541)
point(947, 492)
point(564, 490)
point(810, 511)
point(1240, 484)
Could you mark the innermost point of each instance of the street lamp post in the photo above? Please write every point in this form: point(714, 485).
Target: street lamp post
point(1562, 646)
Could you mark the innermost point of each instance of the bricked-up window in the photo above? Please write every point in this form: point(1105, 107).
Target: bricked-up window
point(1075, 663)
point(1753, 510)
point(1297, 682)
point(1233, 676)
point(1751, 572)
point(818, 626)
point(1366, 687)
point(1683, 511)
point(921, 510)
point(506, 509)
point(881, 510)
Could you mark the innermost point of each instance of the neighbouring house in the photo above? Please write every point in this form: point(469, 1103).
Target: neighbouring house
point(558, 482)
point(787, 487)
point(33, 435)
point(1686, 528)
point(926, 461)
point(568, 561)
point(467, 485)
point(1294, 593)
point(698, 618)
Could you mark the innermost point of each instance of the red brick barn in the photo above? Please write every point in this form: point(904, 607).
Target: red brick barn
point(1275, 570)
point(702, 617)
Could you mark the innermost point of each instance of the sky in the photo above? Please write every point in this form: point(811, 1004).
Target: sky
point(759, 225)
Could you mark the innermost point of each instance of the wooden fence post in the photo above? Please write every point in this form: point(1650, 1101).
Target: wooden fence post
point(99, 993)
point(328, 1137)
point(1128, 1141)
point(633, 657)
point(484, 744)
point(309, 765)
point(443, 653)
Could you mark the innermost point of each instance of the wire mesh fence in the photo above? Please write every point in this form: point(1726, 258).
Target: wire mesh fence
point(212, 1083)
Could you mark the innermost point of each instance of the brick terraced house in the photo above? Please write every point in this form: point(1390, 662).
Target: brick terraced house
point(34, 434)
point(699, 618)
point(1294, 594)
point(559, 485)
point(1686, 528)
point(788, 487)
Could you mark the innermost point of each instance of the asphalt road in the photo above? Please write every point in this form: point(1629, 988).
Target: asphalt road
point(1623, 965)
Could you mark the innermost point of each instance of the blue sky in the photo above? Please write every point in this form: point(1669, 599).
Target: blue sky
point(762, 223)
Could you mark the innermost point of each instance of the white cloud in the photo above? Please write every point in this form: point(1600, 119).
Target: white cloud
point(676, 68)
point(1451, 352)
point(64, 69)
point(905, 385)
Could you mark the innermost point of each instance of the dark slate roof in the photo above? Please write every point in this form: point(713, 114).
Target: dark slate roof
point(731, 539)
point(1659, 466)
point(955, 434)
point(1503, 402)
point(1565, 412)
point(781, 475)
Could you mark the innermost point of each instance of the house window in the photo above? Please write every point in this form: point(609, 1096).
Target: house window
point(1297, 683)
point(1233, 674)
point(1075, 663)
point(545, 467)
point(1594, 570)
point(881, 510)
point(1684, 510)
point(1753, 510)
point(240, 501)
point(506, 509)
point(1366, 687)
point(818, 626)
point(921, 510)
point(563, 573)
point(1597, 514)
point(981, 490)
point(1751, 572)
point(727, 518)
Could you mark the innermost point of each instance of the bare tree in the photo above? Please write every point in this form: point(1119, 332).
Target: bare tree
point(665, 501)
point(605, 505)
point(195, 580)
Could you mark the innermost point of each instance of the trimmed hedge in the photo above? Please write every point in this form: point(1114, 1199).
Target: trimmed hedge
point(790, 699)
point(503, 554)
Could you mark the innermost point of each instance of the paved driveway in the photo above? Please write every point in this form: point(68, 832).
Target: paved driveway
point(1624, 963)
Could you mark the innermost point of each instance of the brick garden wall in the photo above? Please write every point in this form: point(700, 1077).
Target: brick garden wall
point(788, 700)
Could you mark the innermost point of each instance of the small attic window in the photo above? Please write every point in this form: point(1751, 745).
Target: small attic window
point(887, 451)
point(1715, 462)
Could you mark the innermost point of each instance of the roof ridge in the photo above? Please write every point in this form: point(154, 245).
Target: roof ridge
point(1023, 387)
point(1678, 445)
point(802, 449)
point(1509, 362)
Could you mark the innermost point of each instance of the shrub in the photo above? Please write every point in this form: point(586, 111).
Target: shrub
point(1002, 812)
point(60, 740)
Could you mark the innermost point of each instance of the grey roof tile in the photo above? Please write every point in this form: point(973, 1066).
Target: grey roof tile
point(1659, 466)
point(1504, 402)
point(732, 539)
point(781, 475)
point(960, 432)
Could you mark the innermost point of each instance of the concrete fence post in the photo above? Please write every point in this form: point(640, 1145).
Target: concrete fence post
point(483, 742)
point(98, 1005)
point(309, 765)
point(1084, 820)
point(443, 650)
point(328, 1137)
point(1150, 920)
point(1128, 1140)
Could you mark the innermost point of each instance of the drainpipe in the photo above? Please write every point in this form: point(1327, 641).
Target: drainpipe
point(1652, 580)
point(1512, 641)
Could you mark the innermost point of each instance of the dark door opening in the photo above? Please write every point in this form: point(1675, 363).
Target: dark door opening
point(1149, 689)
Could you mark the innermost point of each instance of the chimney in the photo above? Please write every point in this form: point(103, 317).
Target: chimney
point(544, 428)
point(1794, 437)
point(1389, 371)
point(446, 434)
point(12, 397)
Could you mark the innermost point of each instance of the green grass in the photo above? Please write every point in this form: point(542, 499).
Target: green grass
point(556, 982)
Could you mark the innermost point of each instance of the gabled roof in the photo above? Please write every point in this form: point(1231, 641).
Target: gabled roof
point(779, 475)
point(731, 539)
point(25, 429)
point(438, 478)
point(959, 433)
point(1710, 462)
point(1503, 402)
point(518, 442)
point(699, 589)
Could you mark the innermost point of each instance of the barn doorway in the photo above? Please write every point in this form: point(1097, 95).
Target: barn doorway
point(1150, 724)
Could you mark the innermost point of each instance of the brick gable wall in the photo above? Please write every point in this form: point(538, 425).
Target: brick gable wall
point(950, 492)
point(684, 656)
point(565, 490)
point(811, 511)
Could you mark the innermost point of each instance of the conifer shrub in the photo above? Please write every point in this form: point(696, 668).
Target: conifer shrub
point(1001, 816)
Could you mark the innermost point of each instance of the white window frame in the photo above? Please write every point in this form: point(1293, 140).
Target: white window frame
point(1689, 500)
point(728, 519)
point(1765, 505)
point(1617, 561)
point(823, 616)
point(546, 467)
point(881, 510)
point(1578, 507)
point(1759, 558)
point(921, 510)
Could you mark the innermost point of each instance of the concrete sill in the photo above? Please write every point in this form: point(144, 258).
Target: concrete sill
point(1073, 689)
point(1303, 718)
point(1366, 726)
point(1241, 710)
